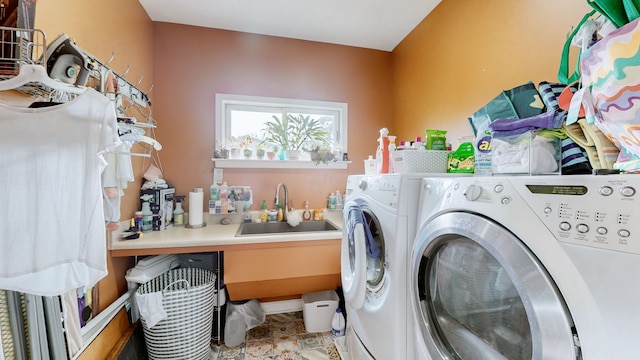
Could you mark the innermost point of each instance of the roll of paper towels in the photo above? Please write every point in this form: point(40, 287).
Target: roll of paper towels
point(196, 199)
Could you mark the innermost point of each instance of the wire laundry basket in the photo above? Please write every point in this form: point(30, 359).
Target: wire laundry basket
point(188, 300)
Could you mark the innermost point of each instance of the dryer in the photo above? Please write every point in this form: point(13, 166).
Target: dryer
point(541, 267)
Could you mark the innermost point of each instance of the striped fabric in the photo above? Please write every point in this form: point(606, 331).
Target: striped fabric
point(574, 158)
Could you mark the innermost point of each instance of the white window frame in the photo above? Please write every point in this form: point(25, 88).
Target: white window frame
point(222, 123)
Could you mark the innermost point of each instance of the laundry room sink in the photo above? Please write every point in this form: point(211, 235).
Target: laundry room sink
point(253, 229)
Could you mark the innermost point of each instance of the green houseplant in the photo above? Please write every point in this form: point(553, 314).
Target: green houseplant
point(293, 132)
point(321, 154)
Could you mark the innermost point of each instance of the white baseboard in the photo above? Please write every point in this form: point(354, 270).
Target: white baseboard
point(282, 306)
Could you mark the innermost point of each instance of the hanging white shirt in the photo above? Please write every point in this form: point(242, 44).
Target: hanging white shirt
point(52, 231)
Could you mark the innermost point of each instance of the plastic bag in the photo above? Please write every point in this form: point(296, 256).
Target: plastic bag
point(241, 317)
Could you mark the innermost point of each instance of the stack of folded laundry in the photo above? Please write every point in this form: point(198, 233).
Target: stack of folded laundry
point(529, 145)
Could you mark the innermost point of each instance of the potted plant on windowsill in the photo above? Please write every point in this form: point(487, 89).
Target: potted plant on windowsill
point(292, 132)
point(321, 154)
point(221, 152)
point(260, 150)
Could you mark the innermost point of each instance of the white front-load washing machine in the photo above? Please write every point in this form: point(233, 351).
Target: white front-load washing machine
point(380, 213)
point(513, 268)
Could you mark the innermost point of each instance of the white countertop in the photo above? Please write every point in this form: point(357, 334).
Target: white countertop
point(215, 234)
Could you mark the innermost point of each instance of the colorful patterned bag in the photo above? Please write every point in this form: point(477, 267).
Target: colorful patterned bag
point(611, 91)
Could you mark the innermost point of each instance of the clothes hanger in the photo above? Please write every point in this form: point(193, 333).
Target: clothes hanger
point(30, 73)
point(151, 141)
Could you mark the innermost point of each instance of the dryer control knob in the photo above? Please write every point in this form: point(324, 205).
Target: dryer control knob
point(472, 192)
point(605, 191)
point(362, 184)
point(627, 191)
point(582, 228)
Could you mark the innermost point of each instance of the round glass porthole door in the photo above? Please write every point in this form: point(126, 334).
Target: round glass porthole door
point(479, 293)
point(362, 255)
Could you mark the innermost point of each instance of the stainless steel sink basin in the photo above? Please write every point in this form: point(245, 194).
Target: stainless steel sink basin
point(253, 229)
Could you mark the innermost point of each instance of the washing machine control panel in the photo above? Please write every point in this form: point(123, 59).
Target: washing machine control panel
point(384, 189)
point(596, 211)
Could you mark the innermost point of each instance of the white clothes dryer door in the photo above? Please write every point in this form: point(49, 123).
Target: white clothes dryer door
point(479, 293)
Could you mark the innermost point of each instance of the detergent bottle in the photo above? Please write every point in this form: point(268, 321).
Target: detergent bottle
point(178, 213)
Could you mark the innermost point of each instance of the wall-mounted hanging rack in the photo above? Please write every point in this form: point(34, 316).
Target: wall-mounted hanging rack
point(70, 63)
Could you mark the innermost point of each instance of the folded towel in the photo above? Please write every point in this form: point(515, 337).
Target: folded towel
point(150, 307)
point(607, 152)
point(549, 120)
point(602, 153)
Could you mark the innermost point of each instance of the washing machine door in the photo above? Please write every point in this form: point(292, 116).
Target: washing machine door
point(362, 252)
point(479, 293)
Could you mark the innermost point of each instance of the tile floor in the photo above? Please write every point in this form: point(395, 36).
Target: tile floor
point(280, 337)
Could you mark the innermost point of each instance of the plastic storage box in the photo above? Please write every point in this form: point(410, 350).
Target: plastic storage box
point(318, 309)
point(529, 153)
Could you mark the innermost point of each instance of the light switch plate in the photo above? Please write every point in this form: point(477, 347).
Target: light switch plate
point(217, 176)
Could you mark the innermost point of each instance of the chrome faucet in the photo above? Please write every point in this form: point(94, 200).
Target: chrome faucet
point(286, 200)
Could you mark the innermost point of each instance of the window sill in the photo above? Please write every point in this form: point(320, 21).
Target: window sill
point(277, 164)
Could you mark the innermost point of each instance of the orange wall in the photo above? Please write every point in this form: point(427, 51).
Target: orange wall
point(100, 28)
point(465, 52)
point(193, 64)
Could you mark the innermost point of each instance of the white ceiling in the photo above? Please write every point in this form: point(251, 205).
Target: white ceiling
point(374, 24)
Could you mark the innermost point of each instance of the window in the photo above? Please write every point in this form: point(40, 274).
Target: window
point(241, 123)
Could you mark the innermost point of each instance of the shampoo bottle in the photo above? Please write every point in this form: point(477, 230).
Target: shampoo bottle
point(339, 200)
point(392, 149)
point(332, 201)
point(214, 195)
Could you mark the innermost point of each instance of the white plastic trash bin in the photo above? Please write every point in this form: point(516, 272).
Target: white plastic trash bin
point(318, 309)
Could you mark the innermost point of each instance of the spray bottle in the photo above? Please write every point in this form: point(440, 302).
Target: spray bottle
point(147, 214)
point(382, 154)
point(178, 213)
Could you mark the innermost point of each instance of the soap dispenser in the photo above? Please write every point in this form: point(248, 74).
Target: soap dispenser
point(306, 214)
point(280, 215)
point(264, 215)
